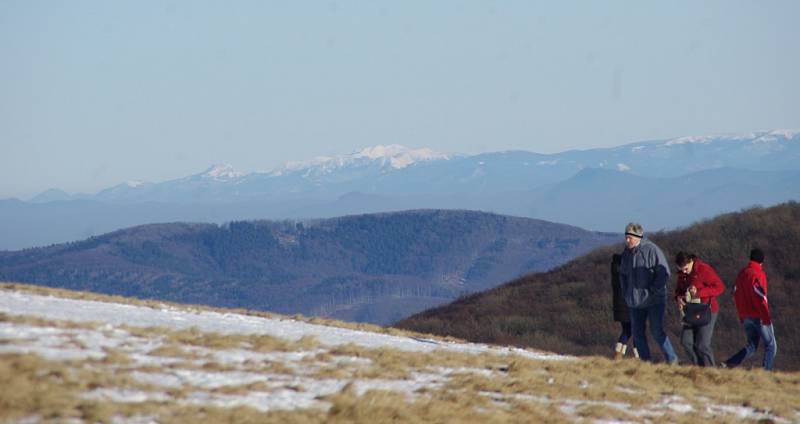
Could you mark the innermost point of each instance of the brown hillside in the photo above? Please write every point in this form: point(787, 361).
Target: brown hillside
point(568, 310)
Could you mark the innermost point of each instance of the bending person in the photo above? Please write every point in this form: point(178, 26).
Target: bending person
point(697, 282)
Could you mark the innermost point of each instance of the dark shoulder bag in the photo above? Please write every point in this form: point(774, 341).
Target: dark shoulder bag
point(696, 314)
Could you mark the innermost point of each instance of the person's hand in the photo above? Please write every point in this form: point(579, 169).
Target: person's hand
point(693, 291)
point(681, 303)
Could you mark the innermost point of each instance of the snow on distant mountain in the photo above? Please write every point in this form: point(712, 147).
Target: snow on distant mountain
point(753, 138)
point(777, 150)
point(394, 156)
point(221, 173)
point(321, 178)
point(392, 178)
point(396, 170)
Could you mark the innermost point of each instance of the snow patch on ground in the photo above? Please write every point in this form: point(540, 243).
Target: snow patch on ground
point(139, 316)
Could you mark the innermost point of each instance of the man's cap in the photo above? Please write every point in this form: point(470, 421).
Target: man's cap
point(634, 229)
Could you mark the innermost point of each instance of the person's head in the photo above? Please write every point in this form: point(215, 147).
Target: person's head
point(685, 262)
point(633, 235)
point(757, 255)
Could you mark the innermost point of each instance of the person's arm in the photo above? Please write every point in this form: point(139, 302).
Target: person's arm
point(760, 290)
point(680, 291)
point(623, 280)
point(712, 285)
point(661, 269)
point(740, 294)
point(614, 275)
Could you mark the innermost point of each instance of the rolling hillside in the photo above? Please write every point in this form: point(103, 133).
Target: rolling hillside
point(568, 309)
point(367, 268)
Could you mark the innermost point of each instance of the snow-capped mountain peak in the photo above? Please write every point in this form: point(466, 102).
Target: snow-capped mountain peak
point(221, 172)
point(381, 151)
point(778, 135)
point(394, 155)
point(705, 139)
point(394, 169)
point(753, 137)
point(399, 156)
point(134, 183)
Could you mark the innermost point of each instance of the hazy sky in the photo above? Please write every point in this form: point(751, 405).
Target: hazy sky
point(95, 93)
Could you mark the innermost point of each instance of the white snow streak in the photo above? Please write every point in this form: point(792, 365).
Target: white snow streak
point(121, 314)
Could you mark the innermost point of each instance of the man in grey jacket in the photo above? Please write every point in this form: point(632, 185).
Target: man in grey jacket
point(644, 273)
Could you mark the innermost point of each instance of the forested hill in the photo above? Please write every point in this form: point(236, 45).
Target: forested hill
point(369, 268)
point(568, 309)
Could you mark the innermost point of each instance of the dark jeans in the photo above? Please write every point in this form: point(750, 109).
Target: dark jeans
point(655, 314)
point(696, 341)
point(625, 334)
point(753, 332)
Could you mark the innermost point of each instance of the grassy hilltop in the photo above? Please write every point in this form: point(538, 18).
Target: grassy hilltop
point(80, 357)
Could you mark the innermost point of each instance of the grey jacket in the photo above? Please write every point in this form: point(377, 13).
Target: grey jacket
point(643, 275)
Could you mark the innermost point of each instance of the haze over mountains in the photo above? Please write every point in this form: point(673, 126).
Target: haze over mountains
point(664, 184)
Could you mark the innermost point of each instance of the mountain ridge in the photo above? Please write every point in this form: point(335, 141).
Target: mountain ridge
point(555, 187)
point(763, 143)
point(339, 267)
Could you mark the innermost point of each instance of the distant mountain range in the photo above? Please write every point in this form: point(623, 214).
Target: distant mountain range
point(663, 184)
point(368, 268)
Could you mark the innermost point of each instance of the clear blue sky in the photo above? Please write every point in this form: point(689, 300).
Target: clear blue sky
point(94, 93)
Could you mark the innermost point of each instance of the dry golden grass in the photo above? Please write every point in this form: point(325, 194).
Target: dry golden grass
point(41, 322)
point(30, 386)
point(115, 357)
point(377, 406)
point(595, 380)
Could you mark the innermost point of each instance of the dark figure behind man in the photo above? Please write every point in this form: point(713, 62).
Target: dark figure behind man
point(622, 314)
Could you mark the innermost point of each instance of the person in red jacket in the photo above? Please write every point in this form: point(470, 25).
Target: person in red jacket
point(750, 295)
point(697, 282)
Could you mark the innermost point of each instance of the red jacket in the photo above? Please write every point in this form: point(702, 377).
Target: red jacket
point(750, 293)
point(705, 279)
